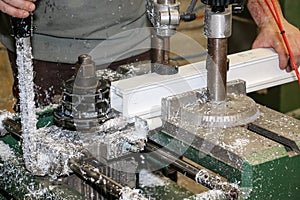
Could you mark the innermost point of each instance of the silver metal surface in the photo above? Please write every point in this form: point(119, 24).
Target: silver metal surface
point(217, 25)
point(164, 16)
point(236, 110)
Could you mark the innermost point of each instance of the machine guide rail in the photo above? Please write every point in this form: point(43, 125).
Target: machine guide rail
point(12, 127)
point(290, 144)
point(201, 176)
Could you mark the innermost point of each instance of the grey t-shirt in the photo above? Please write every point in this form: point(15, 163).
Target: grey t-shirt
point(109, 30)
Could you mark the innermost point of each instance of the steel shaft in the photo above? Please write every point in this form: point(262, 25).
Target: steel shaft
point(217, 65)
point(160, 49)
point(217, 29)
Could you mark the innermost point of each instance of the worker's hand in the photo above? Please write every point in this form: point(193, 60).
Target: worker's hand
point(17, 8)
point(269, 36)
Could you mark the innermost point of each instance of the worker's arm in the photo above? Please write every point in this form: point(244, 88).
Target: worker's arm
point(269, 34)
point(17, 8)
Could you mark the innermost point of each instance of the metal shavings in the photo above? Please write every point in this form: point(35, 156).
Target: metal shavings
point(108, 74)
point(117, 123)
point(130, 194)
point(6, 153)
point(237, 145)
point(55, 146)
point(135, 69)
point(48, 107)
point(116, 138)
point(4, 115)
point(27, 105)
point(230, 190)
point(20, 184)
point(92, 174)
point(148, 179)
point(210, 195)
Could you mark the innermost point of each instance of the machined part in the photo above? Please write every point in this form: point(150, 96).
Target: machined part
point(261, 161)
point(217, 65)
point(85, 102)
point(86, 75)
point(173, 106)
point(217, 24)
point(235, 111)
point(83, 111)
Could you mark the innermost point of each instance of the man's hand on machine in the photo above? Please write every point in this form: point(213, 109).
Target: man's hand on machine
point(17, 8)
point(269, 36)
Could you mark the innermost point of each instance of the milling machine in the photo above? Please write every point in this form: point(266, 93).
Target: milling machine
point(109, 128)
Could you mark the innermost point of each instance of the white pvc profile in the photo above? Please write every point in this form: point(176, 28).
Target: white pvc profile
point(141, 95)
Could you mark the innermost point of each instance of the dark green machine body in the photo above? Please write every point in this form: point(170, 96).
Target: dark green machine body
point(268, 179)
